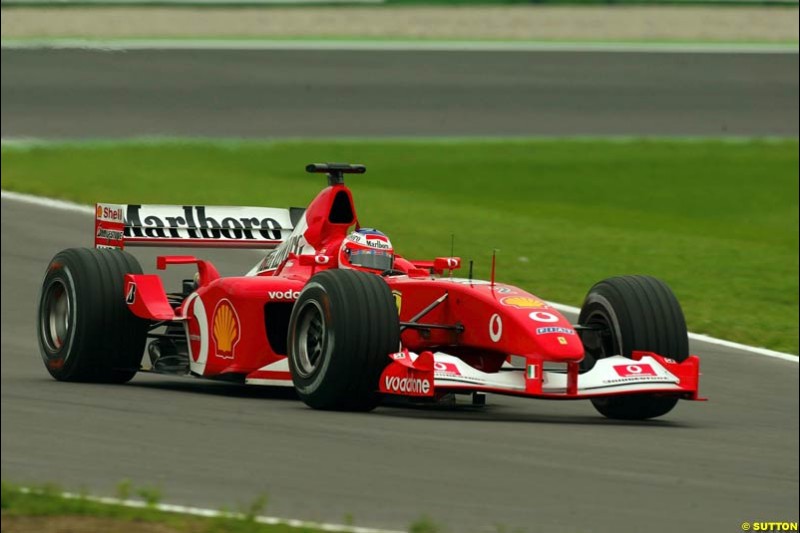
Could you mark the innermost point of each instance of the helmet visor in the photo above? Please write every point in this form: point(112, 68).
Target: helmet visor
point(376, 260)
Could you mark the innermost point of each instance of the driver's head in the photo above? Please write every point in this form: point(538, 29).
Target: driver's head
point(367, 249)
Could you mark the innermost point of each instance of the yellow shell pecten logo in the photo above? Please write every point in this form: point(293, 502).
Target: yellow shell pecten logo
point(523, 302)
point(398, 300)
point(225, 329)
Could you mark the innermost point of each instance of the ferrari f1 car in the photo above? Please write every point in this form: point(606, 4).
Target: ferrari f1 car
point(334, 312)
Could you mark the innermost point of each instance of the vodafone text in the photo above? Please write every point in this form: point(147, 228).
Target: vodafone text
point(409, 385)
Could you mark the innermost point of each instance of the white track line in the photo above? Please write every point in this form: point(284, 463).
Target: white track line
point(211, 513)
point(401, 45)
point(71, 206)
point(52, 203)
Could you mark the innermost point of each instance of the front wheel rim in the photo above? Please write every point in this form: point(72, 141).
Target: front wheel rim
point(56, 316)
point(600, 342)
point(310, 340)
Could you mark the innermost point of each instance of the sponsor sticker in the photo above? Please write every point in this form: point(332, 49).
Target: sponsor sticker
point(398, 300)
point(407, 385)
point(446, 368)
point(523, 302)
point(377, 243)
point(543, 316)
point(296, 244)
point(110, 234)
point(634, 370)
point(562, 340)
point(283, 295)
point(109, 213)
point(495, 328)
point(532, 371)
point(130, 298)
point(225, 329)
point(554, 329)
point(195, 222)
point(398, 355)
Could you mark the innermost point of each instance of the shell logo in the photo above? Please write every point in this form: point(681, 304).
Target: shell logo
point(523, 302)
point(398, 300)
point(225, 329)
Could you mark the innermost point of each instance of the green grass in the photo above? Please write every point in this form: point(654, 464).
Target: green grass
point(49, 505)
point(715, 219)
point(248, 3)
point(51, 508)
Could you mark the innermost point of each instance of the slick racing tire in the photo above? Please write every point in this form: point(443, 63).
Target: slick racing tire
point(342, 328)
point(86, 331)
point(629, 313)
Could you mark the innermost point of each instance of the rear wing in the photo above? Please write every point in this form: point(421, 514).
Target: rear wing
point(195, 226)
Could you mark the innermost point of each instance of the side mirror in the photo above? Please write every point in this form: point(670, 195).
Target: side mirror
point(440, 264)
point(315, 260)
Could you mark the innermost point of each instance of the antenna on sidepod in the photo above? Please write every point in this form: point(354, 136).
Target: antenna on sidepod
point(452, 249)
point(494, 257)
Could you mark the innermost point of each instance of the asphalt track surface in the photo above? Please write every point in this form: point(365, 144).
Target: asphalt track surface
point(541, 466)
point(269, 93)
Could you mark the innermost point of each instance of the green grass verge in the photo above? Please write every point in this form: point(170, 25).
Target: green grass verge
point(716, 219)
point(55, 512)
point(47, 508)
point(251, 3)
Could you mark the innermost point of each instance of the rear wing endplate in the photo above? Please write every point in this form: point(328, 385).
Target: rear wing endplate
point(195, 226)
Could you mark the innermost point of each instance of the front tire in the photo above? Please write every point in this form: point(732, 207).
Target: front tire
point(342, 328)
point(85, 330)
point(626, 314)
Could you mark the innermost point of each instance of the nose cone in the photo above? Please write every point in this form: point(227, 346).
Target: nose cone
point(496, 318)
point(547, 333)
point(559, 342)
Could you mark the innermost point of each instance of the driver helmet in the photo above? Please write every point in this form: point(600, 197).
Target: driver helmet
point(367, 249)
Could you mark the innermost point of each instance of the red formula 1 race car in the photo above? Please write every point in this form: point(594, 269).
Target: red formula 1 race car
point(334, 312)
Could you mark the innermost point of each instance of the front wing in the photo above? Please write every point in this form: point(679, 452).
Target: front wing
point(428, 374)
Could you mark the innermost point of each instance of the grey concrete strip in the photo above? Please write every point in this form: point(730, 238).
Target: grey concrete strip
point(521, 21)
point(79, 94)
point(398, 45)
point(541, 466)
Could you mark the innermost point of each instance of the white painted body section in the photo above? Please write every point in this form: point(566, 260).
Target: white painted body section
point(281, 365)
point(452, 373)
point(197, 362)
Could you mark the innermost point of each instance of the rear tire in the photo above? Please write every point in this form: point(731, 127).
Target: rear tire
point(342, 328)
point(633, 313)
point(85, 330)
